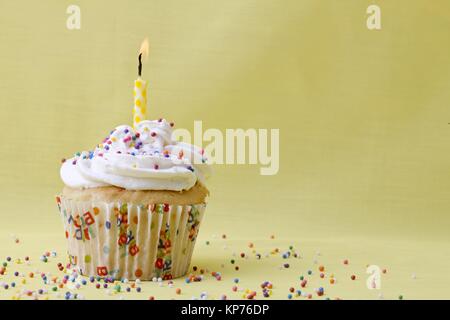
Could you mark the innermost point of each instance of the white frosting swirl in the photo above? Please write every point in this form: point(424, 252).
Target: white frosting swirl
point(145, 158)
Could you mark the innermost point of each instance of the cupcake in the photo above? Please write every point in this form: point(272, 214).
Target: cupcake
point(132, 207)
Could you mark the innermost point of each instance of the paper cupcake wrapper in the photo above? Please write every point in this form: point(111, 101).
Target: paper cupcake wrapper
point(131, 241)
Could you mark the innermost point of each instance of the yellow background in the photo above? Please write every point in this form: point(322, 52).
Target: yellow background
point(363, 118)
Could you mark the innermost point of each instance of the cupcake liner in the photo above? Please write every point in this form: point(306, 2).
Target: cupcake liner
point(132, 241)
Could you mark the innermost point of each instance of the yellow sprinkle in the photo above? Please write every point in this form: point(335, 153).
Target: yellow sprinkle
point(138, 102)
point(137, 119)
point(138, 83)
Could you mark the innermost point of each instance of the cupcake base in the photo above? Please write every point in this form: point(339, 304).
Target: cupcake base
point(129, 240)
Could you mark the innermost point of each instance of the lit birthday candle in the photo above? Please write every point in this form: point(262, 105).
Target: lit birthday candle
point(140, 88)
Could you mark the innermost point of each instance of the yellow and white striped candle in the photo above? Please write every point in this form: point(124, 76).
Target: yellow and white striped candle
point(140, 101)
point(140, 88)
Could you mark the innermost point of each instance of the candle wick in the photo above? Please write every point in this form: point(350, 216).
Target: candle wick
point(140, 65)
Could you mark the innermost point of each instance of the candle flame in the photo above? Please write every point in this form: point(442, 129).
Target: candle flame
point(144, 49)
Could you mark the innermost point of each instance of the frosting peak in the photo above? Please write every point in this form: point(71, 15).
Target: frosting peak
point(144, 158)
